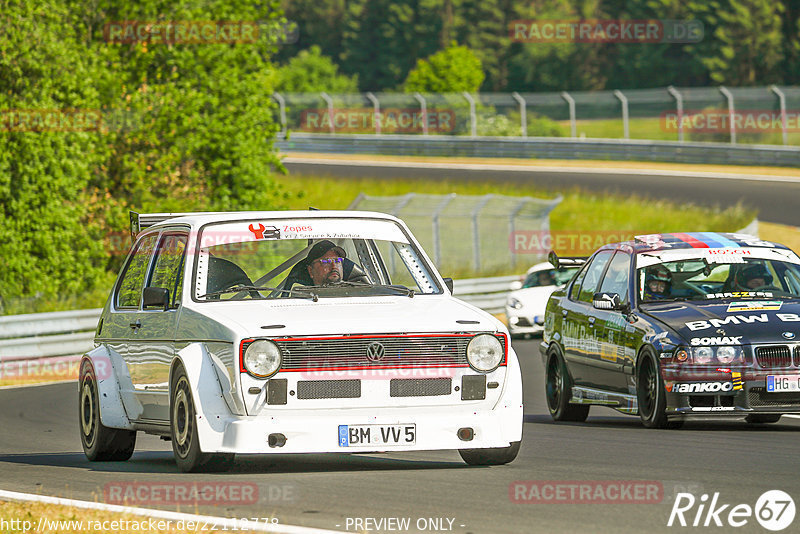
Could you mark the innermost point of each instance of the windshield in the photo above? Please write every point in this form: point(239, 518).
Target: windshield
point(697, 279)
point(308, 259)
point(549, 277)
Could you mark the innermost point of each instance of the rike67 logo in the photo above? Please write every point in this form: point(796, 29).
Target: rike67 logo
point(774, 510)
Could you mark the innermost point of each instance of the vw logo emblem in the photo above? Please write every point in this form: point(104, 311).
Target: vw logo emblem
point(375, 352)
point(788, 335)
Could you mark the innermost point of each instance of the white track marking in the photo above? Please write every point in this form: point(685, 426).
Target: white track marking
point(543, 169)
point(221, 523)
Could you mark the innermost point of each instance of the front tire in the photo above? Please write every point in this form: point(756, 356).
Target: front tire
point(651, 394)
point(493, 456)
point(100, 443)
point(183, 428)
point(559, 390)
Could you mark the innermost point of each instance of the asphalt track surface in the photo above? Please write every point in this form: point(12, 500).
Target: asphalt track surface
point(40, 453)
point(776, 199)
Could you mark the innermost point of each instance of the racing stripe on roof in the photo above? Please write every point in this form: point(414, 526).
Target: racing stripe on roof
point(690, 240)
point(709, 238)
point(724, 241)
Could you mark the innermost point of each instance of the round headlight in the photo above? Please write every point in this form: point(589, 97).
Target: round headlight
point(681, 355)
point(703, 355)
point(262, 358)
point(484, 353)
point(726, 354)
point(514, 303)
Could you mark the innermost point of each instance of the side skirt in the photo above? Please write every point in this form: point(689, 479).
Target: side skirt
point(627, 404)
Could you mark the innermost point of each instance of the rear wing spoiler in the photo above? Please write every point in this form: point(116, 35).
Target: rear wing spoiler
point(566, 261)
point(142, 221)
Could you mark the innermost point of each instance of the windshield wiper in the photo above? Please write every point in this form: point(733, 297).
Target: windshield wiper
point(402, 289)
point(300, 292)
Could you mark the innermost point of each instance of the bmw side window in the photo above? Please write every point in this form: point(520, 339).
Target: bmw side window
point(132, 281)
point(167, 271)
point(575, 290)
point(593, 274)
point(616, 278)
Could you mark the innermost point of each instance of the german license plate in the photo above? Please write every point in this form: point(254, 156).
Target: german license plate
point(371, 435)
point(781, 383)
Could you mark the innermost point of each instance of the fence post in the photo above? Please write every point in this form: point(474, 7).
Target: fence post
point(512, 227)
point(423, 107)
point(573, 128)
point(782, 103)
point(523, 114)
point(473, 122)
point(282, 106)
point(437, 253)
point(376, 112)
point(624, 101)
point(679, 105)
point(731, 112)
point(476, 239)
point(328, 100)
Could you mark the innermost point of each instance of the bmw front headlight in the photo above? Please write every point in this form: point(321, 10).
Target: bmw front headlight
point(262, 358)
point(703, 355)
point(514, 303)
point(484, 353)
point(728, 354)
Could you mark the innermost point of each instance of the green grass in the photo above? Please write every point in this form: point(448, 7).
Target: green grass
point(579, 224)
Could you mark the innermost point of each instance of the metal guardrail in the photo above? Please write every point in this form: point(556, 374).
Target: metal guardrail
point(44, 335)
point(47, 335)
point(544, 147)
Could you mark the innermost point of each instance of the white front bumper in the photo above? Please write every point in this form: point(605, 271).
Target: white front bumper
point(436, 429)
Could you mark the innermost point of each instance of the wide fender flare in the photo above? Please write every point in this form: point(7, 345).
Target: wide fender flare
point(212, 413)
point(106, 365)
point(510, 403)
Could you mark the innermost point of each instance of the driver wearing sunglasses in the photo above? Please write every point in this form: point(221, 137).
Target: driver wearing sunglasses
point(324, 263)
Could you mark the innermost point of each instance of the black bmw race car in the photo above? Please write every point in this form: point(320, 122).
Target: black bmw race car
point(672, 326)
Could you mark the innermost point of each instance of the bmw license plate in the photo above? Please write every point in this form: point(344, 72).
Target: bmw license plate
point(781, 383)
point(371, 435)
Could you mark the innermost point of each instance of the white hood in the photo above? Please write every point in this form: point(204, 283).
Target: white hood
point(365, 315)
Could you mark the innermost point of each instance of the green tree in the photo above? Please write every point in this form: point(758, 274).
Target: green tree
point(309, 71)
point(743, 44)
point(452, 70)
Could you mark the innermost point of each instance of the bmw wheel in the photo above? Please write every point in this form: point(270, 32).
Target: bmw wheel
point(183, 428)
point(100, 443)
point(651, 394)
point(493, 456)
point(559, 391)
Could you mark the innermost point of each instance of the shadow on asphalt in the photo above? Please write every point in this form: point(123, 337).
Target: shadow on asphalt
point(784, 425)
point(164, 462)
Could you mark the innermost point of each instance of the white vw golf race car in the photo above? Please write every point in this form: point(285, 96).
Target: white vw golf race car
point(293, 332)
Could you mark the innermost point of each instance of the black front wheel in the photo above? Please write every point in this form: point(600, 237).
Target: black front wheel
point(559, 391)
point(651, 394)
point(183, 428)
point(100, 443)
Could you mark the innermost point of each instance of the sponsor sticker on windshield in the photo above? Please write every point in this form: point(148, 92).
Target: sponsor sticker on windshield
point(739, 295)
point(755, 305)
point(726, 255)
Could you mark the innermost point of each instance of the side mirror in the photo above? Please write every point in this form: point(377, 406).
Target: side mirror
point(449, 283)
point(516, 284)
point(155, 296)
point(607, 301)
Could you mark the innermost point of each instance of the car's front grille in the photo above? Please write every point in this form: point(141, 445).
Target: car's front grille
point(797, 355)
point(774, 356)
point(328, 389)
point(374, 352)
point(759, 397)
point(419, 387)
